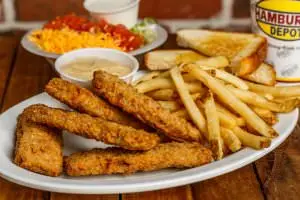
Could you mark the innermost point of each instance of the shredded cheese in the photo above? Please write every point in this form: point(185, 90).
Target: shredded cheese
point(64, 40)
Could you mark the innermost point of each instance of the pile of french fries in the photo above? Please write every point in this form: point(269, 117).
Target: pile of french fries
point(229, 112)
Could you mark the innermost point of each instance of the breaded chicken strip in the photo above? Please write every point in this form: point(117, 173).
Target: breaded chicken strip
point(94, 128)
point(38, 148)
point(85, 101)
point(120, 94)
point(118, 161)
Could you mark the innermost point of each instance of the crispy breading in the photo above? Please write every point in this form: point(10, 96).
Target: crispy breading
point(120, 94)
point(91, 127)
point(85, 101)
point(38, 148)
point(118, 161)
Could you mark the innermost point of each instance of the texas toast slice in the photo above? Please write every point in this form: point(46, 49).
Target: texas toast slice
point(246, 52)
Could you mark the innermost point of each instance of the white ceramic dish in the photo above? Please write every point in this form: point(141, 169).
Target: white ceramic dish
point(122, 58)
point(144, 181)
point(115, 12)
point(161, 38)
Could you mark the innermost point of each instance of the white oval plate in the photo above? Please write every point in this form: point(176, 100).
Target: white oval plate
point(143, 181)
point(161, 38)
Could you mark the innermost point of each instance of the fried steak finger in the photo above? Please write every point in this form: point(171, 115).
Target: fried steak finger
point(120, 94)
point(38, 148)
point(118, 161)
point(94, 128)
point(85, 101)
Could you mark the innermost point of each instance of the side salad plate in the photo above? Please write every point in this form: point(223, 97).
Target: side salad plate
point(160, 33)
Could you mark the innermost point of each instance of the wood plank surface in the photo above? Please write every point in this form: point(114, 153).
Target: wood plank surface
point(177, 193)
point(59, 196)
point(21, 77)
point(29, 76)
point(280, 170)
point(278, 173)
point(239, 184)
point(7, 52)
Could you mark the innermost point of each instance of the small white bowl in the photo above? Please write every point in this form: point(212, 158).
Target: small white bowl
point(126, 14)
point(109, 54)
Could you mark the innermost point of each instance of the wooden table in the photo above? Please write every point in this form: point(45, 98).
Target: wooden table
point(276, 176)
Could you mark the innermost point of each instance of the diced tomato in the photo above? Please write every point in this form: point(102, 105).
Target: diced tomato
point(129, 40)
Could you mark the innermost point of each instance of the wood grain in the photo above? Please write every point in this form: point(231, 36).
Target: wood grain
point(29, 76)
point(7, 52)
point(280, 170)
point(23, 82)
point(59, 196)
point(11, 191)
point(239, 184)
point(178, 193)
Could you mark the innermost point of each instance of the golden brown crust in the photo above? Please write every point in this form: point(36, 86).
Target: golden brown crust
point(118, 161)
point(248, 65)
point(167, 61)
point(145, 108)
point(252, 62)
point(263, 50)
point(94, 128)
point(265, 75)
point(38, 148)
point(85, 101)
point(245, 51)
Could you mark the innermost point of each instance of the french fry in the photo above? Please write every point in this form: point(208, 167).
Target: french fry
point(250, 140)
point(146, 77)
point(171, 95)
point(254, 99)
point(225, 149)
point(284, 99)
point(289, 101)
point(188, 101)
point(239, 120)
point(182, 113)
point(194, 96)
point(215, 62)
point(229, 78)
point(188, 78)
point(165, 83)
point(230, 139)
point(213, 127)
point(229, 99)
point(195, 87)
point(268, 96)
point(163, 94)
point(280, 91)
point(267, 115)
point(207, 63)
point(165, 74)
point(170, 105)
point(226, 121)
point(222, 75)
point(154, 84)
point(198, 95)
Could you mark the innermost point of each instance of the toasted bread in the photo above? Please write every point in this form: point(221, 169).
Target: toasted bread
point(245, 51)
point(166, 59)
point(265, 75)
